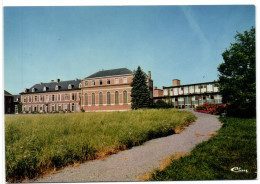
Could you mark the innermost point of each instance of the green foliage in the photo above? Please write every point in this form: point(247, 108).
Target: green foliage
point(237, 77)
point(161, 104)
point(140, 93)
point(20, 107)
point(36, 143)
point(233, 146)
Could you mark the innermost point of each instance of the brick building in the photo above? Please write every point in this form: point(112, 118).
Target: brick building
point(9, 106)
point(109, 90)
point(52, 96)
point(190, 95)
point(106, 90)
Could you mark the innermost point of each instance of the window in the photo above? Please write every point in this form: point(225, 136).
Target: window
point(116, 98)
point(35, 98)
point(59, 97)
point(70, 86)
point(59, 108)
point(100, 82)
point(125, 97)
point(44, 88)
point(66, 97)
point(33, 89)
point(52, 108)
point(80, 85)
point(47, 98)
point(86, 99)
point(86, 83)
point(125, 80)
point(52, 97)
point(72, 96)
point(93, 99)
point(93, 83)
point(41, 98)
point(116, 80)
point(108, 98)
point(108, 81)
point(56, 87)
point(24, 100)
point(100, 98)
point(72, 107)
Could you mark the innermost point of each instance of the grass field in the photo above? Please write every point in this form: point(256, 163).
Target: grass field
point(39, 143)
point(233, 146)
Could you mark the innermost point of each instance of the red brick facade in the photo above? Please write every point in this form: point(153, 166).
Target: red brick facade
point(107, 93)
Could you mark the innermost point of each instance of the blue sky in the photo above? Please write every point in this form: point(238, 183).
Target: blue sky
point(185, 42)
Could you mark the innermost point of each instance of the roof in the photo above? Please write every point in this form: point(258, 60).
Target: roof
point(63, 86)
point(7, 93)
point(113, 72)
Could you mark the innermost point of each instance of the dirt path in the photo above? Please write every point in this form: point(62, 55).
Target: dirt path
point(130, 165)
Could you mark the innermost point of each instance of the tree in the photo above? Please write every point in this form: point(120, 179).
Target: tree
point(140, 93)
point(20, 107)
point(237, 78)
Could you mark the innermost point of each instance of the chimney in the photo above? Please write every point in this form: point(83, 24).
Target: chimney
point(149, 75)
point(41, 83)
point(155, 88)
point(58, 80)
point(176, 82)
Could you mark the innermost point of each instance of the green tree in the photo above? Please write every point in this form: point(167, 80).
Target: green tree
point(237, 78)
point(20, 107)
point(140, 93)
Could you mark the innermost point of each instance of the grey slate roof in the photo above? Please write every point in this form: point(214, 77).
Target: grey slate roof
point(63, 86)
point(7, 93)
point(113, 72)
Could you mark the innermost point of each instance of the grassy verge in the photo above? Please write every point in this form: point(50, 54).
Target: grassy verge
point(233, 146)
point(35, 144)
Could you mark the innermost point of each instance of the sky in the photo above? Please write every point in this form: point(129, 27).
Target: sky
point(173, 42)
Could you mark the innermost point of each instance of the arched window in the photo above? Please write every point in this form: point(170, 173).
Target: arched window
point(69, 86)
point(93, 99)
point(125, 97)
point(80, 85)
point(100, 98)
point(86, 99)
point(56, 87)
point(108, 98)
point(116, 97)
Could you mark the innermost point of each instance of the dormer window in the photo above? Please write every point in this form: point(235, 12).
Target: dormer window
point(69, 87)
point(45, 88)
point(25, 90)
point(33, 89)
point(57, 87)
point(80, 85)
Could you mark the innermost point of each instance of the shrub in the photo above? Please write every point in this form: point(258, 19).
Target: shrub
point(215, 109)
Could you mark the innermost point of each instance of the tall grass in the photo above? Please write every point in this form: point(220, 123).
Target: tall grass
point(38, 143)
point(233, 146)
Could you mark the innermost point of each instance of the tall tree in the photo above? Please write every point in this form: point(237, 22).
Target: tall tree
point(140, 92)
point(237, 76)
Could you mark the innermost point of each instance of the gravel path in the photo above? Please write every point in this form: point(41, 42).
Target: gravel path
point(129, 165)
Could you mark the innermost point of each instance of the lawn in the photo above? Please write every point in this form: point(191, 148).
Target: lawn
point(39, 143)
point(233, 146)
